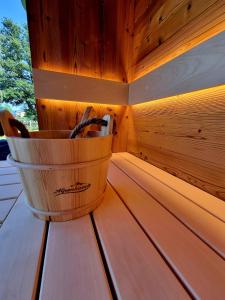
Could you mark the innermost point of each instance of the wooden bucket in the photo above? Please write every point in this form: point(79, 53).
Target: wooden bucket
point(63, 178)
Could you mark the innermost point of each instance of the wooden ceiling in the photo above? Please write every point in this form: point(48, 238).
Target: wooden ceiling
point(117, 39)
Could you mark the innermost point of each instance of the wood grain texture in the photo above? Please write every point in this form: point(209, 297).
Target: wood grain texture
point(63, 179)
point(66, 114)
point(55, 85)
point(21, 240)
point(196, 209)
point(200, 68)
point(172, 28)
point(122, 40)
point(200, 269)
point(73, 268)
point(136, 268)
point(204, 200)
point(184, 135)
point(83, 37)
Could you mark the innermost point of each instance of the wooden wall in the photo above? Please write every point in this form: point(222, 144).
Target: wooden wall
point(199, 68)
point(185, 136)
point(122, 40)
point(164, 29)
point(119, 40)
point(84, 37)
point(56, 114)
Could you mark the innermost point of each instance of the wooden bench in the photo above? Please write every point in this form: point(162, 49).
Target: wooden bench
point(153, 237)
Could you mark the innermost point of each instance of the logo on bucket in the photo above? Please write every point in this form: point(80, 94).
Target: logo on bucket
point(74, 188)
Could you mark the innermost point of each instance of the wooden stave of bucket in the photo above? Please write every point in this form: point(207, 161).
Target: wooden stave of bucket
point(56, 172)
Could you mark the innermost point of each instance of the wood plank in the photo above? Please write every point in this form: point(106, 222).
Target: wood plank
point(21, 240)
point(169, 192)
point(200, 68)
point(136, 268)
point(10, 191)
point(5, 207)
point(204, 200)
point(182, 28)
point(10, 179)
point(73, 268)
point(66, 114)
point(184, 135)
point(200, 268)
point(170, 17)
point(63, 41)
point(48, 85)
point(8, 170)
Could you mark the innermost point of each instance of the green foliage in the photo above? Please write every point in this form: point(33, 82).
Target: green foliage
point(16, 85)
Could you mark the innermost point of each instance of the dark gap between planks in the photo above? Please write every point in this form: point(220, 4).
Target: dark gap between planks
point(40, 275)
point(107, 272)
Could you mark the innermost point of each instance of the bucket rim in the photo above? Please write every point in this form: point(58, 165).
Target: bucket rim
point(19, 138)
point(49, 167)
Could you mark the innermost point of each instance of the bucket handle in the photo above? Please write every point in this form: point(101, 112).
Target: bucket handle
point(11, 126)
point(85, 123)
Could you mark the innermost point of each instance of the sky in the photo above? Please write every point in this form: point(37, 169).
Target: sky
point(14, 10)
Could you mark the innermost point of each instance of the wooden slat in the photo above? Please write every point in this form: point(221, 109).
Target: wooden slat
point(183, 207)
point(10, 191)
point(8, 170)
point(137, 270)
point(185, 136)
point(48, 85)
point(9, 179)
point(211, 204)
point(200, 68)
point(199, 267)
point(73, 268)
point(21, 241)
point(5, 207)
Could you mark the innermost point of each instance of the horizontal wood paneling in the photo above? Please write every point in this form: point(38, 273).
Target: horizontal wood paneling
point(171, 28)
point(199, 68)
point(185, 136)
point(55, 85)
point(66, 114)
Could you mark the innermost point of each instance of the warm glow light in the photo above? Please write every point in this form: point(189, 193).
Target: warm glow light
point(84, 73)
point(80, 103)
point(206, 93)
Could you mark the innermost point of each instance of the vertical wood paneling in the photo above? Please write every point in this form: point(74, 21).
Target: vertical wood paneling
point(80, 37)
point(56, 114)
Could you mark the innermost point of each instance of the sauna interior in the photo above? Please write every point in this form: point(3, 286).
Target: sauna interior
point(157, 66)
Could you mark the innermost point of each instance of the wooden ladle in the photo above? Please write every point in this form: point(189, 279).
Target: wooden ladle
point(11, 126)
